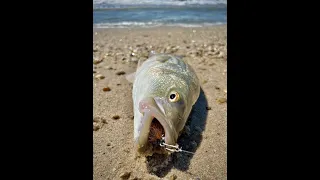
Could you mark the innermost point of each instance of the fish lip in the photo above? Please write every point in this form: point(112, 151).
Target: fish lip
point(150, 108)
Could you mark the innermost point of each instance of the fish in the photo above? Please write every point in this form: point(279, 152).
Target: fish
point(165, 88)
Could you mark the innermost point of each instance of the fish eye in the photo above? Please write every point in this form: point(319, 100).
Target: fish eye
point(174, 97)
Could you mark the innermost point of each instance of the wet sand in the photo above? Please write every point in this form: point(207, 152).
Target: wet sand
point(115, 54)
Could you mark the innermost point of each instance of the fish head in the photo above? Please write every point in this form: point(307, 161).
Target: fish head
point(169, 109)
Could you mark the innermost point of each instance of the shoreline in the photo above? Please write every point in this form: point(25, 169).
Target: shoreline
point(223, 25)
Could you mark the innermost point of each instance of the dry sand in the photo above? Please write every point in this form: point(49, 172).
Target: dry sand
point(116, 51)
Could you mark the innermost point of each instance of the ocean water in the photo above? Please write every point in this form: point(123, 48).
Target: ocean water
point(151, 13)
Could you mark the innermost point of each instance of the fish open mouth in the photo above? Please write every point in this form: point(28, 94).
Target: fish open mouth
point(153, 126)
point(155, 134)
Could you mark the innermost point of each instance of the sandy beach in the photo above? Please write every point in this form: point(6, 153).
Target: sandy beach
point(115, 54)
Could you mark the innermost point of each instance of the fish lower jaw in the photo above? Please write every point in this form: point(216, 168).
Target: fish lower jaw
point(151, 133)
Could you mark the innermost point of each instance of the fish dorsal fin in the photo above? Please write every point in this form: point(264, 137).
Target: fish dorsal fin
point(131, 77)
point(140, 62)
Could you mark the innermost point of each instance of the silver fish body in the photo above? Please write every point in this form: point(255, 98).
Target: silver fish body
point(164, 87)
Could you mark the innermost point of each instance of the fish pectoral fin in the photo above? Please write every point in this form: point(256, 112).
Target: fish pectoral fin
point(131, 77)
point(140, 62)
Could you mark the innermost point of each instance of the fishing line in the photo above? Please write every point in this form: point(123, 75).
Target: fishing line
point(175, 148)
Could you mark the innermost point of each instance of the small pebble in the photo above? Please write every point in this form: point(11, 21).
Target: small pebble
point(120, 73)
point(114, 169)
point(125, 175)
point(221, 54)
point(107, 67)
point(218, 134)
point(154, 169)
point(95, 49)
point(96, 126)
point(99, 76)
point(197, 128)
point(94, 71)
point(104, 121)
point(126, 150)
point(136, 178)
point(194, 144)
point(225, 91)
point(96, 119)
point(118, 84)
point(106, 89)
point(208, 108)
point(222, 100)
point(97, 61)
point(173, 177)
point(217, 88)
point(115, 117)
point(108, 144)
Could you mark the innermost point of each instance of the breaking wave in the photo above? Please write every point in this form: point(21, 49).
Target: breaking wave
point(151, 24)
point(103, 4)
